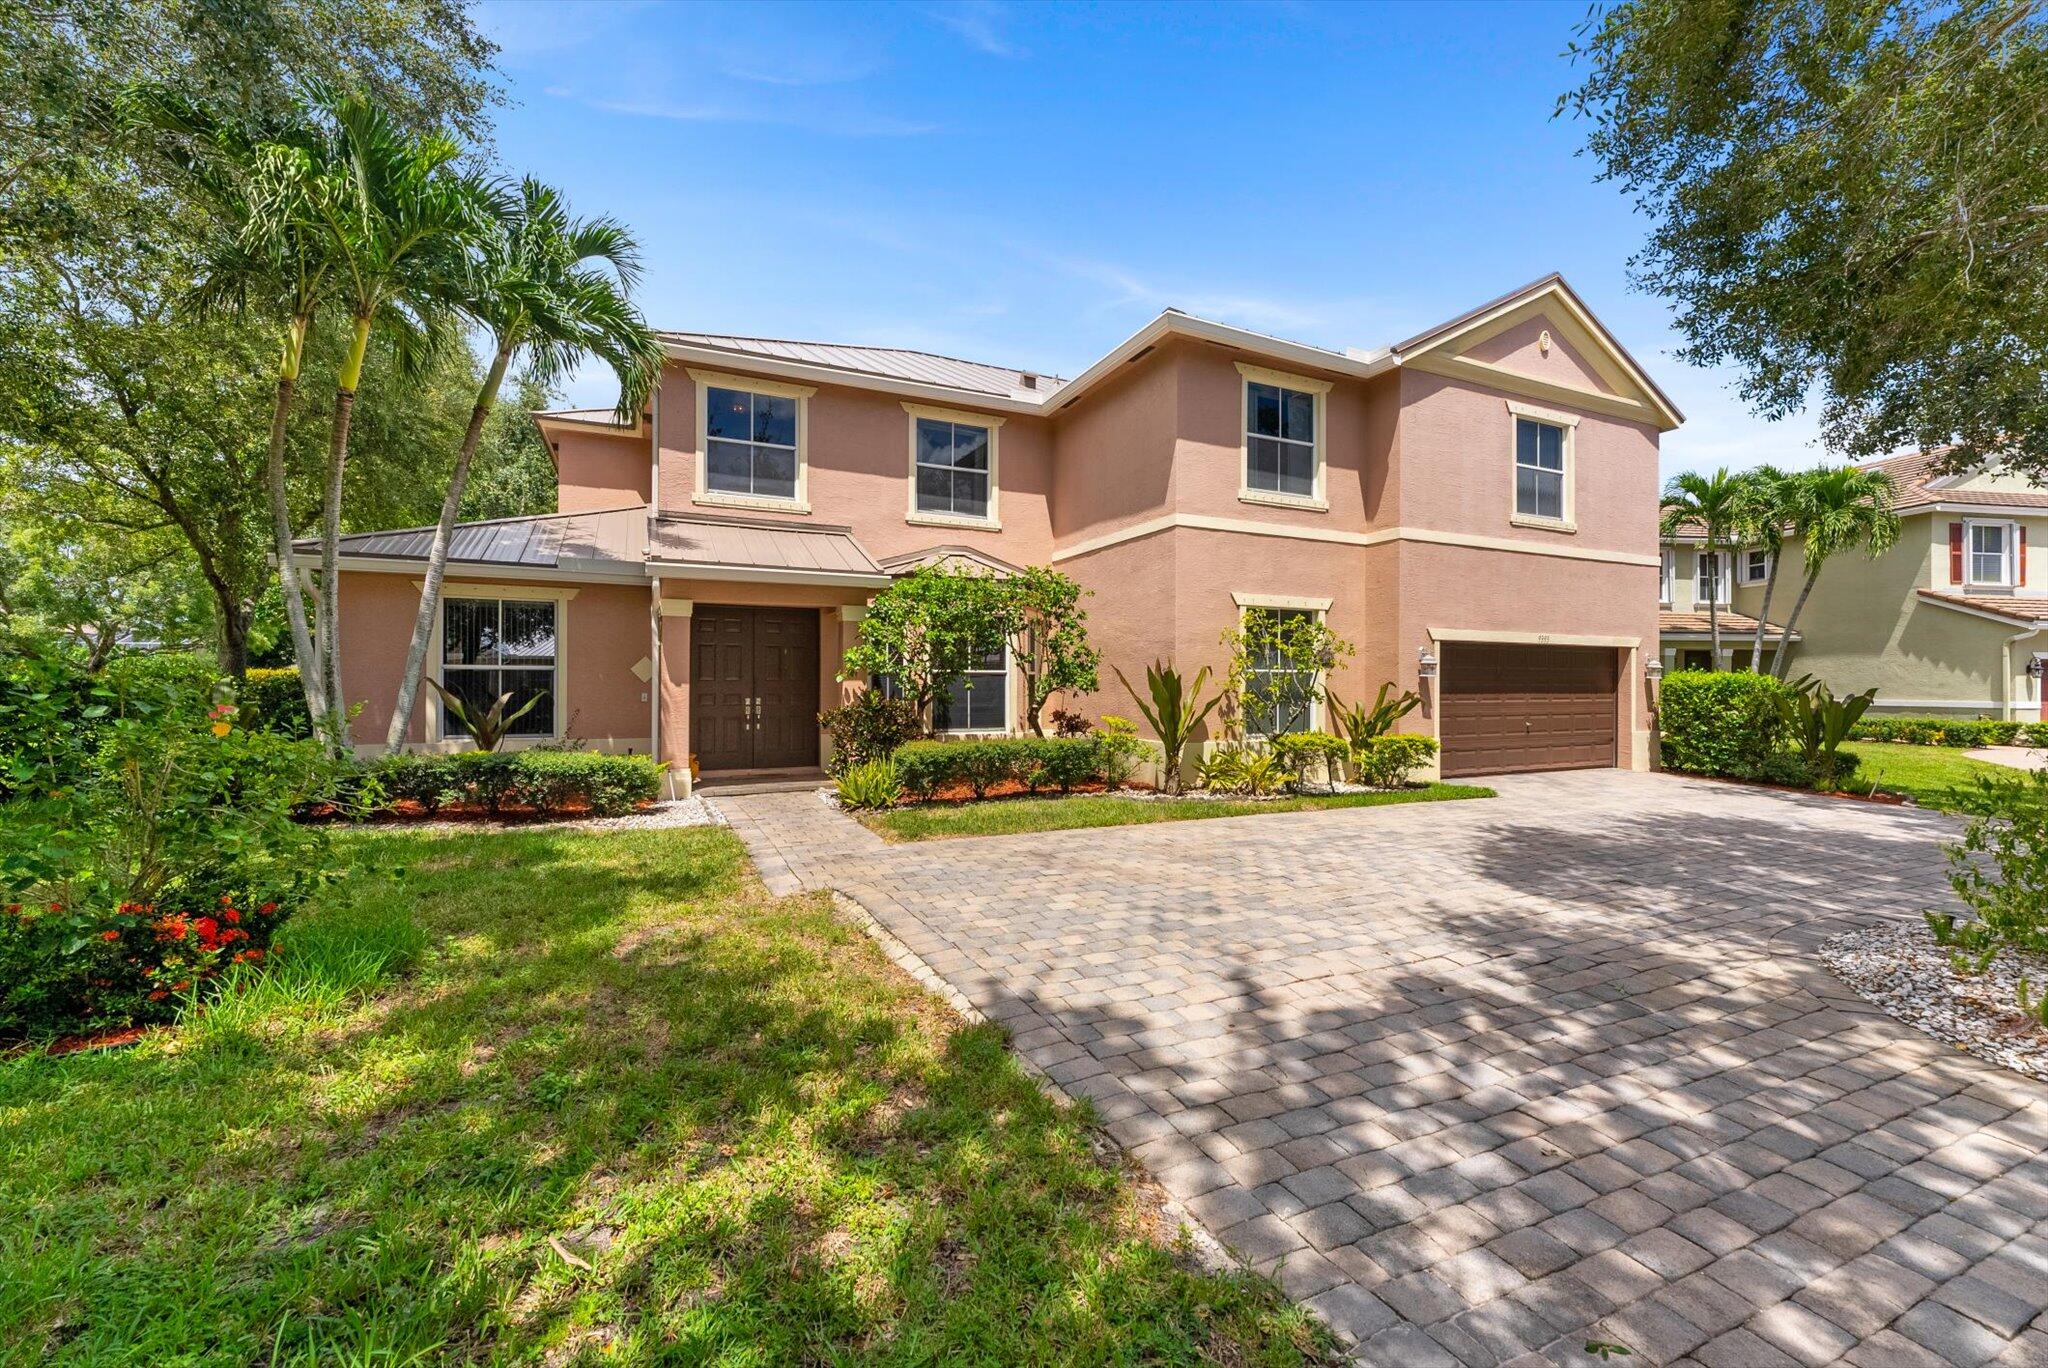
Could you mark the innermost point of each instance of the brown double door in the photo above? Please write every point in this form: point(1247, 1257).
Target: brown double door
point(1508, 708)
point(754, 688)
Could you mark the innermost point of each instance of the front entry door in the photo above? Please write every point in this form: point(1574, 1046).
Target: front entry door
point(754, 688)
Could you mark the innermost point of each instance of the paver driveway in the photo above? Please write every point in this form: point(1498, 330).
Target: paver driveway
point(1485, 1081)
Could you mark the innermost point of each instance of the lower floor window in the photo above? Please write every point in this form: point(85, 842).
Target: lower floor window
point(978, 700)
point(491, 647)
point(1279, 699)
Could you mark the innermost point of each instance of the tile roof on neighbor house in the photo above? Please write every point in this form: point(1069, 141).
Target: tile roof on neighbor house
point(710, 545)
point(893, 363)
point(2016, 607)
point(1733, 624)
point(1914, 474)
point(611, 539)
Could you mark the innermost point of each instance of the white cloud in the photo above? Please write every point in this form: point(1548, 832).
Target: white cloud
point(844, 123)
point(980, 23)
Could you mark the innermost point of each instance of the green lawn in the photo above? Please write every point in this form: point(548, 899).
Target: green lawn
point(1929, 775)
point(791, 1154)
point(1005, 816)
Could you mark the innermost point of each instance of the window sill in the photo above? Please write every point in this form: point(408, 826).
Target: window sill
point(1988, 587)
point(1272, 499)
point(953, 520)
point(1543, 524)
point(711, 498)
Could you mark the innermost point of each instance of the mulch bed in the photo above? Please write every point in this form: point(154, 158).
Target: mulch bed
point(954, 794)
point(113, 1038)
point(1901, 969)
point(406, 810)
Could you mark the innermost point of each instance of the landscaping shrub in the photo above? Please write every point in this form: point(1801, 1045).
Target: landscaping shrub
point(422, 779)
point(871, 727)
point(273, 701)
point(547, 781)
point(1999, 869)
point(147, 852)
point(1387, 760)
point(1117, 749)
point(489, 779)
point(1946, 731)
point(1067, 723)
point(874, 784)
point(984, 764)
point(1071, 761)
point(925, 767)
point(1242, 769)
point(1312, 759)
point(1722, 722)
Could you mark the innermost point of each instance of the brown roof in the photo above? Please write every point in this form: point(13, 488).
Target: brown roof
point(1914, 471)
point(727, 544)
point(2016, 607)
point(1733, 624)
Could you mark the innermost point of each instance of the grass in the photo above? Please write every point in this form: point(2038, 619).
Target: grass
point(1011, 815)
point(1931, 776)
point(770, 1146)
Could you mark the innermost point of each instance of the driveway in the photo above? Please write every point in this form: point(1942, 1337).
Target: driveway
point(1485, 1081)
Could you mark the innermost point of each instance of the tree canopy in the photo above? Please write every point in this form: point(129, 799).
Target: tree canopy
point(1849, 202)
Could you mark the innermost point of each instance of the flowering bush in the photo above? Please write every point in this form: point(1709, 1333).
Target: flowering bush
point(165, 853)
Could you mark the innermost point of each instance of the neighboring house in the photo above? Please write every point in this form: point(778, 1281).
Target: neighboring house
point(1952, 619)
point(1475, 508)
point(1690, 579)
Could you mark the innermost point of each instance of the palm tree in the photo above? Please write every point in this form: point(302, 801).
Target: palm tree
point(1762, 511)
point(539, 285)
point(266, 254)
point(1837, 509)
point(1711, 503)
point(397, 223)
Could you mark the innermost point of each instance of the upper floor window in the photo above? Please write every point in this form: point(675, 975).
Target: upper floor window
point(491, 647)
point(953, 466)
point(1666, 573)
point(1710, 577)
point(751, 440)
point(1990, 548)
point(1756, 567)
point(1539, 469)
point(1283, 438)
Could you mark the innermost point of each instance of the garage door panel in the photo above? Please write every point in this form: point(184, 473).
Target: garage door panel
point(1508, 708)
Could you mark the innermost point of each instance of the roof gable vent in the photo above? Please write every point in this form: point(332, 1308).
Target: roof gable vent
point(1028, 380)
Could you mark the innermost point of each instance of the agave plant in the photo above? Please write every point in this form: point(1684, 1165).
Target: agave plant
point(1358, 723)
point(1175, 710)
point(1820, 722)
point(490, 726)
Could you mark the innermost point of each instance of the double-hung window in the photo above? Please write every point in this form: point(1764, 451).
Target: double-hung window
point(1990, 553)
point(1280, 440)
point(1756, 567)
point(1665, 575)
point(750, 444)
point(954, 470)
point(491, 647)
point(1280, 699)
point(1710, 577)
point(1539, 469)
point(977, 701)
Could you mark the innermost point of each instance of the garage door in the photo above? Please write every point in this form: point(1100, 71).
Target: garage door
point(1511, 708)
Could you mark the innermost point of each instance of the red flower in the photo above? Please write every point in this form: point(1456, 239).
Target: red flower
point(181, 985)
point(110, 935)
point(232, 916)
point(158, 996)
point(267, 908)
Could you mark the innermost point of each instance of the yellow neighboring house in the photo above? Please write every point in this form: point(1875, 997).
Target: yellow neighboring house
point(1952, 621)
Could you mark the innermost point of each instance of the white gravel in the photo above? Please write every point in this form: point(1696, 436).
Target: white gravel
point(1902, 970)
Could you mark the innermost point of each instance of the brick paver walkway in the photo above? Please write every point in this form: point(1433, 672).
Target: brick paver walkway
point(1485, 1081)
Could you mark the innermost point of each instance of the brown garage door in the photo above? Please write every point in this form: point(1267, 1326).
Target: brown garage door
point(1527, 708)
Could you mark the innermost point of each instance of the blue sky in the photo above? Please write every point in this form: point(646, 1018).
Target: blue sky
point(1027, 184)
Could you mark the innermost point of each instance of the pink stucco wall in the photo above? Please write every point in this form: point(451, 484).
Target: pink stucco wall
point(1520, 349)
point(605, 631)
point(595, 471)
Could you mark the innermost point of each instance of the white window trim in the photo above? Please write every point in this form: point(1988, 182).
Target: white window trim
point(1319, 500)
point(1570, 423)
point(1319, 609)
point(1725, 584)
point(922, 518)
point(1009, 701)
point(1743, 565)
point(434, 737)
point(2012, 542)
point(718, 498)
point(1667, 576)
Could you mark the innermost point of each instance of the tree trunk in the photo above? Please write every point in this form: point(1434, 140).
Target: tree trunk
point(437, 555)
point(1763, 621)
point(231, 646)
point(303, 648)
point(1785, 640)
point(330, 532)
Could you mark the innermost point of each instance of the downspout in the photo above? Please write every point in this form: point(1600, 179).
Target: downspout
point(2005, 671)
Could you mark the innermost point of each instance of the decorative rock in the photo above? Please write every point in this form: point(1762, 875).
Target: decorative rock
point(1902, 970)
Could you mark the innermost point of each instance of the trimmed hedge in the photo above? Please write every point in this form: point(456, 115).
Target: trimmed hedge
point(1387, 760)
point(273, 701)
point(1037, 762)
point(547, 781)
point(1950, 731)
point(1725, 722)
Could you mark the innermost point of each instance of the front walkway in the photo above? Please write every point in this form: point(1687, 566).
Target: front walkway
point(1485, 1081)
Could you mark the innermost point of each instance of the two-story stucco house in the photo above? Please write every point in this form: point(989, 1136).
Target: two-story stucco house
point(1949, 622)
point(1475, 508)
point(1691, 578)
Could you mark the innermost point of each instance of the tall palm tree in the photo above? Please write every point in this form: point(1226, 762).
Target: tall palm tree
point(397, 223)
point(266, 255)
point(1711, 503)
point(553, 289)
point(1837, 509)
point(1762, 510)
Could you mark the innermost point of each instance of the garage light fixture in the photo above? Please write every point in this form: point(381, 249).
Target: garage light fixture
point(1425, 663)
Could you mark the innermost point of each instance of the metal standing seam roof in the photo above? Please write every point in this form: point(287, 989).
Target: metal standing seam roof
point(740, 543)
point(610, 538)
point(894, 363)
